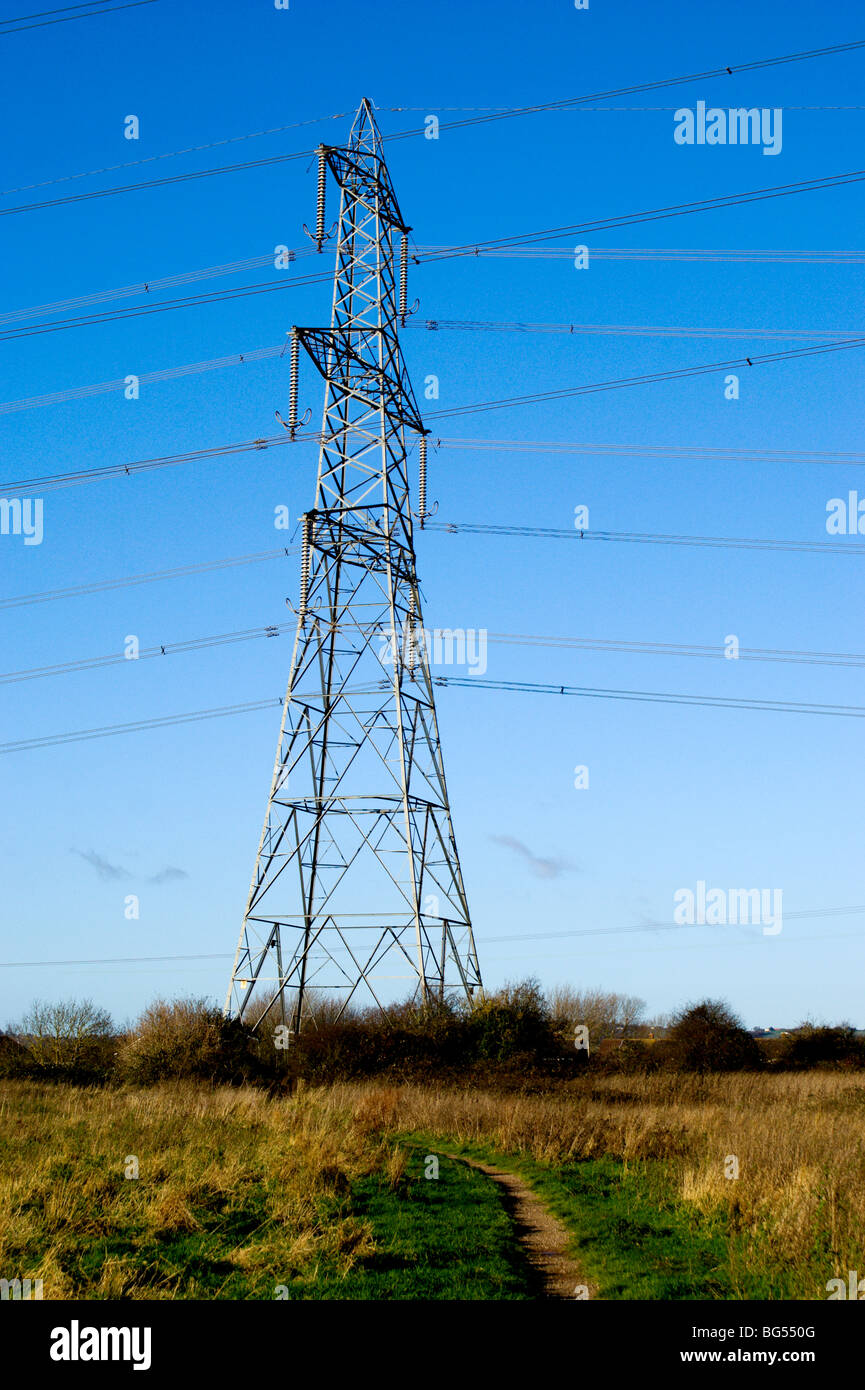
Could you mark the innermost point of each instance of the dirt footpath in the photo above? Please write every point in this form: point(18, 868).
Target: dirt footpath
point(543, 1238)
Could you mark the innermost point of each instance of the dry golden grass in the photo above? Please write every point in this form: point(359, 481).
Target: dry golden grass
point(211, 1162)
point(799, 1140)
point(237, 1192)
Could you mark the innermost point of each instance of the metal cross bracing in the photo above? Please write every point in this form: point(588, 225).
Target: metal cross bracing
point(357, 882)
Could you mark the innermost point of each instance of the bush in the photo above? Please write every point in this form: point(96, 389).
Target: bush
point(72, 1040)
point(709, 1037)
point(424, 1041)
point(515, 1021)
point(187, 1038)
point(634, 1057)
point(15, 1060)
point(810, 1046)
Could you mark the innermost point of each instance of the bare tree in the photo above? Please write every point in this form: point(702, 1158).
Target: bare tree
point(605, 1014)
point(59, 1034)
point(631, 1013)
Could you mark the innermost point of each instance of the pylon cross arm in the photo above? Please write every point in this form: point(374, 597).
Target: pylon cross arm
point(367, 173)
point(332, 348)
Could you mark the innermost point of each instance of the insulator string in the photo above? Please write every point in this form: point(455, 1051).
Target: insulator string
point(292, 383)
point(403, 279)
point(322, 184)
point(305, 562)
point(422, 482)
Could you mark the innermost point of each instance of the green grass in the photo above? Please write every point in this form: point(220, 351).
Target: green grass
point(238, 1195)
point(238, 1198)
point(436, 1239)
point(631, 1237)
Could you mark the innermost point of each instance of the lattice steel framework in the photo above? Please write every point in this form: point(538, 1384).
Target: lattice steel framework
point(357, 872)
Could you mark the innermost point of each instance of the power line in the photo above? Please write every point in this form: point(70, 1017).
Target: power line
point(107, 730)
point(110, 960)
point(74, 393)
point(647, 330)
point(507, 402)
point(165, 182)
point(495, 112)
point(194, 301)
point(601, 644)
point(176, 154)
point(506, 114)
point(648, 86)
point(96, 475)
point(182, 572)
point(678, 649)
point(155, 286)
point(101, 388)
point(129, 5)
point(652, 696)
point(649, 253)
point(717, 945)
point(472, 682)
point(502, 245)
point(194, 644)
point(665, 926)
point(430, 108)
point(783, 190)
point(514, 936)
point(538, 397)
point(510, 402)
point(610, 253)
point(647, 538)
point(471, 249)
point(61, 9)
point(677, 452)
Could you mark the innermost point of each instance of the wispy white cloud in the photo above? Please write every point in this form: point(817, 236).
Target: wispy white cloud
point(541, 866)
point(107, 872)
point(169, 875)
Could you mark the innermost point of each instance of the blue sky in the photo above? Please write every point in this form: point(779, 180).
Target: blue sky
point(738, 799)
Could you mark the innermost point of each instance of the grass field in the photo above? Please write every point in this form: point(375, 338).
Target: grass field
point(325, 1195)
point(636, 1168)
point(236, 1197)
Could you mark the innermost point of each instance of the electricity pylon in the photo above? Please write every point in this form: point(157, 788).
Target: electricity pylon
point(357, 874)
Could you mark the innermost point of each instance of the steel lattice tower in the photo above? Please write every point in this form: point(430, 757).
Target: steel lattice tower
point(357, 878)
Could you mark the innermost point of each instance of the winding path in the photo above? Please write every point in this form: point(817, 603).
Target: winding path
point(543, 1238)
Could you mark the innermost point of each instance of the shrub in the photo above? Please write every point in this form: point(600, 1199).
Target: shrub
point(709, 1037)
point(428, 1040)
point(15, 1060)
point(514, 1021)
point(811, 1046)
point(187, 1038)
point(71, 1040)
